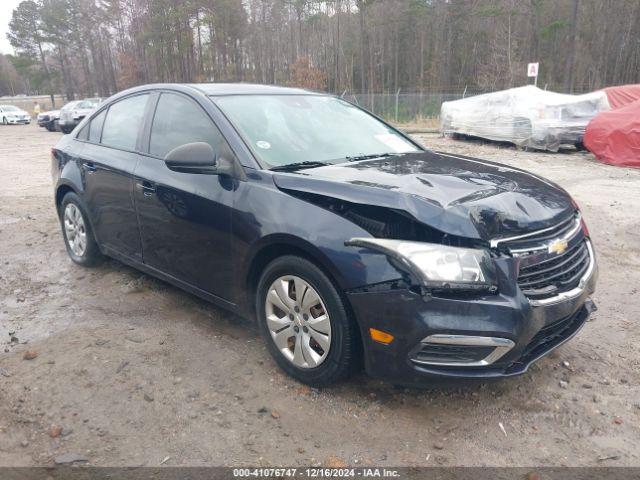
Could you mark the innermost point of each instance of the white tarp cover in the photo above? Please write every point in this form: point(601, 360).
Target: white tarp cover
point(526, 116)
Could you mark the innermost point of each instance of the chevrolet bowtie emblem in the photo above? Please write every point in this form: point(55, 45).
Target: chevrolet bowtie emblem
point(558, 246)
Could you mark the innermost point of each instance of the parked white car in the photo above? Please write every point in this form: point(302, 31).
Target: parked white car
point(73, 112)
point(11, 115)
point(526, 116)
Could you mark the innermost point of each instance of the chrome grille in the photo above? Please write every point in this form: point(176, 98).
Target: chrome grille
point(539, 241)
point(545, 272)
point(555, 275)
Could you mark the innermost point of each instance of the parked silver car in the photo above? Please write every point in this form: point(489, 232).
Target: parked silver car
point(73, 112)
point(10, 114)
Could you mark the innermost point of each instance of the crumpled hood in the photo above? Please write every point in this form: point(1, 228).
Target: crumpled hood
point(457, 195)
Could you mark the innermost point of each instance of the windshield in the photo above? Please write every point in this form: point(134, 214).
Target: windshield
point(70, 105)
point(88, 104)
point(10, 108)
point(286, 129)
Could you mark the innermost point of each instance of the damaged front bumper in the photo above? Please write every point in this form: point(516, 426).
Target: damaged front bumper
point(453, 337)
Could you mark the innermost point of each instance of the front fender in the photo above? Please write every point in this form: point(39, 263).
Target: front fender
point(288, 220)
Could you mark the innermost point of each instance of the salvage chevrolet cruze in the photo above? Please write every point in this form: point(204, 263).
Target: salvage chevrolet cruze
point(349, 242)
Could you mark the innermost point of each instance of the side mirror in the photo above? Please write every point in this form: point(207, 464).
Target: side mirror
point(197, 157)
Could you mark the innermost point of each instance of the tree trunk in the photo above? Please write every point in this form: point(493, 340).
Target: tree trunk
point(571, 53)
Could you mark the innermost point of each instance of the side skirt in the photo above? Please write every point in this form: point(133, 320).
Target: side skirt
point(209, 297)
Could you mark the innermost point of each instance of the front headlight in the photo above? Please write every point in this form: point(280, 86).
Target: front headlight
point(438, 266)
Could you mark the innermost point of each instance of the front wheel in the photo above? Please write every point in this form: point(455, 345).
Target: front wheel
point(5, 121)
point(305, 323)
point(78, 235)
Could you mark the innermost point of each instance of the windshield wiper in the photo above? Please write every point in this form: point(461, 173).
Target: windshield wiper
point(297, 166)
point(371, 156)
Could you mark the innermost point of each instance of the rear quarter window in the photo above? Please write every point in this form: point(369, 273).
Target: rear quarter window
point(84, 133)
point(95, 130)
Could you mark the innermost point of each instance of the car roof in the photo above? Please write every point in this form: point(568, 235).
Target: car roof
point(214, 89)
point(247, 89)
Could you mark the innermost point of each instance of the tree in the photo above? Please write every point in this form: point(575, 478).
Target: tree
point(305, 75)
point(27, 36)
point(573, 26)
point(87, 47)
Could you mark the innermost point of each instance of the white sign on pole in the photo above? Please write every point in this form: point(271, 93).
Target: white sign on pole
point(532, 71)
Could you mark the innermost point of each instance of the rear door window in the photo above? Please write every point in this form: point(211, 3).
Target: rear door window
point(123, 121)
point(178, 121)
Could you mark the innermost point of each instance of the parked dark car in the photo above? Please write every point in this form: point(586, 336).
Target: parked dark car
point(49, 120)
point(345, 239)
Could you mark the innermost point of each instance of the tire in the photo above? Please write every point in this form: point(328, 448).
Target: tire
point(51, 127)
point(522, 131)
point(66, 130)
point(341, 358)
point(90, 254)
point(5, 121)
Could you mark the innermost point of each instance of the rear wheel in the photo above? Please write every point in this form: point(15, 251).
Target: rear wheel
point(78, 235)
point(522, 132)
point(305, 323)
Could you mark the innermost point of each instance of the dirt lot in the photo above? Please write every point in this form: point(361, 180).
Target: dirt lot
point(136, 372)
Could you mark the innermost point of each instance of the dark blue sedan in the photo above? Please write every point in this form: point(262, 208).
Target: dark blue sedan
point(348, 242)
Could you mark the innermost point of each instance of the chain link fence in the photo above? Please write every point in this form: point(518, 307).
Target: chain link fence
point(411, 107)
point(405, 107)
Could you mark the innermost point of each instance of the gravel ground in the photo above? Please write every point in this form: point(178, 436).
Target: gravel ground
point(131, 371)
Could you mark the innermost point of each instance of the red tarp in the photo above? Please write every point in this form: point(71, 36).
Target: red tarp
point(623, 95)
point(614, 136)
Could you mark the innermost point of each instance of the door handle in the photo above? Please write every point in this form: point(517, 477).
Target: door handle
point(89, 166)
point(147, 189)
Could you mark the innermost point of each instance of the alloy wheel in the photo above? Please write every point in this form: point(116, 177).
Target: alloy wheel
point(75, 230)
point(298, 321)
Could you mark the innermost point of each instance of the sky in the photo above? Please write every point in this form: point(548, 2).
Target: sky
point(6, 8)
